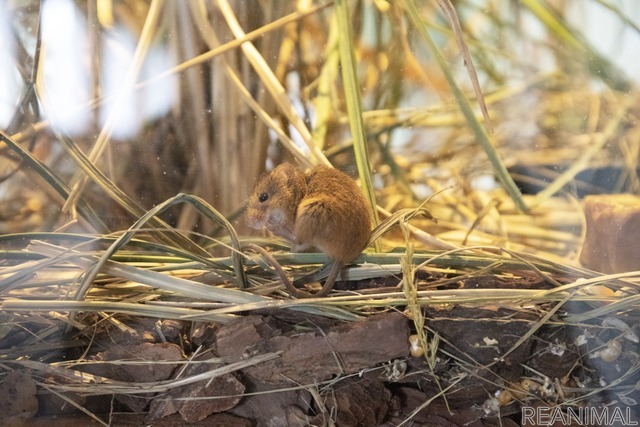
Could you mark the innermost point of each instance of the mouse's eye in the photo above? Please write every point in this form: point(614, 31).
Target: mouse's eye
point(263, 197)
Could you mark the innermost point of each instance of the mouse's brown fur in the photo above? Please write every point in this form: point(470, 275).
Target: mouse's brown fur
point(323, 208)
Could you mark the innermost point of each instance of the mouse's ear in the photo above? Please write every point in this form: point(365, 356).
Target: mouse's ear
point(284, 170)
point(289, 174)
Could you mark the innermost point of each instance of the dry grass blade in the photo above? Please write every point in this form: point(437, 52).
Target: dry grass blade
point(152, 278)
point(139, 56)
point(116, 194)
point(93, 271)
point(452, 16)
point(203, 207)
point(409, 287)
point(600, 139)
point(211, 39)
point(425, 238)
point(272, 26)
point(428, 402)
point(133, 309)
point(326, 85)
point(73, 403)
point(630, 303)
point(54, 181)
point(398, 217)
point(270, 81)
point(91, 170)
point(630, 374)
point(534, 328)
point(481, 135)
point(277, 24)
point(13, 277)
point(85, 383)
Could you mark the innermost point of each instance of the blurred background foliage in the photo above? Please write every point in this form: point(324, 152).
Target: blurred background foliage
point(111, 107)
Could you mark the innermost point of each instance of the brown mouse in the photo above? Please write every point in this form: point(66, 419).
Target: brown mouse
point(323, 208)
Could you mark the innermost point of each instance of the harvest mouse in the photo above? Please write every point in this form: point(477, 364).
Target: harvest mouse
point(323, 208)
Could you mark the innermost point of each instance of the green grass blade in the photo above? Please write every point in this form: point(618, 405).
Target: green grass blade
point(354, 105)
point(119, 196)
point(599, 66)
point(201, 206)
point(483, 138)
